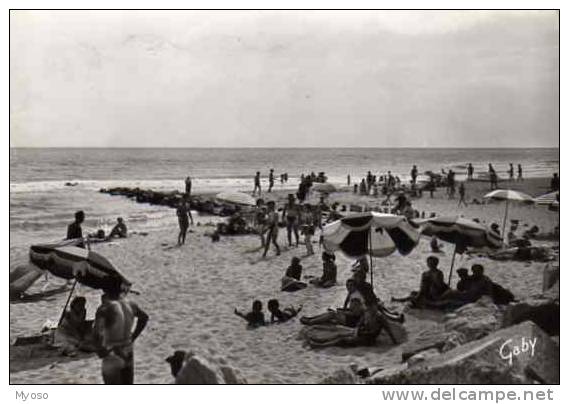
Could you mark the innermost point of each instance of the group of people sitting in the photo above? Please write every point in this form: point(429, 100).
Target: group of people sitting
point(435, 293)
point(291, 281)
point(357, 323)
point(256, 317)
point(75, 231)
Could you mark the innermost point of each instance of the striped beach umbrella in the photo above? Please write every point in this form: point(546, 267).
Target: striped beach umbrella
point(370, 233)
point(461, 232)
point(508, 195)
point(87, 267)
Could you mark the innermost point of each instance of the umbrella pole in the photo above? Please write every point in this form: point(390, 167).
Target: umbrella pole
point(504, 222)
point(64, 309)
point(370, 262)
point(451, 265)
point(66, 303)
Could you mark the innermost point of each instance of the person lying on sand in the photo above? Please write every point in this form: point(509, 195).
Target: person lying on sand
point(365, 334)
point(349, 315)
point(119, 230)
point(255, 317)
point(329, 272)
point(281, 316)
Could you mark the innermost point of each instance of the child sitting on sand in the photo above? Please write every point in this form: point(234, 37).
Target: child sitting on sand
point(280, 316)
point(329, 272)
point(255, 317)
point(290, 282)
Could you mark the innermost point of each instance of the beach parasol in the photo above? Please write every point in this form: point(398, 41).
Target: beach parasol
point(323, 187)
point(461, 232)
point(508, 195)
point(238, 198)
point(551, 198)
point(373, 233)
point(86, 267)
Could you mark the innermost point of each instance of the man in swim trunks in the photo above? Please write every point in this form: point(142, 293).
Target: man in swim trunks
point(271, 180)
point(114, 323)
point(74, 229)
point(188, 186)
point(257, 183)
point(291, 212)
point(462, 194)
point(183, 222)
point(414, 173)
point(272, 228)
point(470, 171)
point(260, 220)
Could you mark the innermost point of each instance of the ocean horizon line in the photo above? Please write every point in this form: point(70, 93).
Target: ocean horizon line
point(288, 147)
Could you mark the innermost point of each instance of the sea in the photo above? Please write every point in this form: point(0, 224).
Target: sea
point(42, 205)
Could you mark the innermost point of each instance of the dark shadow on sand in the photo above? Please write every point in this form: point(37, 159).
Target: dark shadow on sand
point(35, 356)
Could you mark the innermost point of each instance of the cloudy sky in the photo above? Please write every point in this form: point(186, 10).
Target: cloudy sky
point(284, 79)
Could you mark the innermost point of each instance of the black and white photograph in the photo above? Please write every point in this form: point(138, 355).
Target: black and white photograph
point(284, 197)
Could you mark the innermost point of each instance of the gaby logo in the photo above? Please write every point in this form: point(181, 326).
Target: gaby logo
point(509, 349)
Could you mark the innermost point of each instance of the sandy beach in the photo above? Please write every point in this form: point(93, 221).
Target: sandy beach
point(190, 293)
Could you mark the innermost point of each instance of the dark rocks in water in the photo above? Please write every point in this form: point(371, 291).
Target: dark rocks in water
point(519, 354)
point(172, 199)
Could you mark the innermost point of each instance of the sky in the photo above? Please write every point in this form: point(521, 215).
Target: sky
point(284, 79)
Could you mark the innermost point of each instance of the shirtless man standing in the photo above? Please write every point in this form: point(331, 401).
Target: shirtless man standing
point(114, 323)
point(291, 212)
point(257, 181)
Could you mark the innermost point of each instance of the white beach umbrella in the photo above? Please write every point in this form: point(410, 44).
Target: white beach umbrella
point(238, 198)
point(508, 195)
point(323, 187)
point(548, 199)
